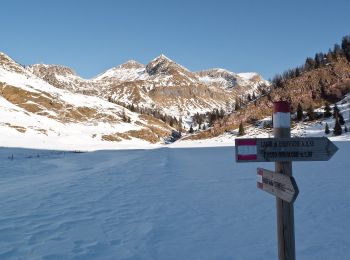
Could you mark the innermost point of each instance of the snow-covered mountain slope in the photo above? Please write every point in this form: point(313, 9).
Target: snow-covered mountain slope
point(62, 77)
point(241, 83)
point(161, 85)
point(34, 113)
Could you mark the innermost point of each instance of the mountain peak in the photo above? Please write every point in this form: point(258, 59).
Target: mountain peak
point(162, 57)
point(3, 56)
point(163, 65)
point(52, 69)
point(131, 64)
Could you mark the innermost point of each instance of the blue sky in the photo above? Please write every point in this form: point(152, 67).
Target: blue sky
point(93, 35)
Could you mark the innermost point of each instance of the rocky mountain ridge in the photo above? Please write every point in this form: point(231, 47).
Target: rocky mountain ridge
point(161, 85)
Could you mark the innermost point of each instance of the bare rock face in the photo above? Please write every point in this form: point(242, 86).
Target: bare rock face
point(223, 78)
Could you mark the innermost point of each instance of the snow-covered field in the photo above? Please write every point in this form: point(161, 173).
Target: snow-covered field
point(164, 204)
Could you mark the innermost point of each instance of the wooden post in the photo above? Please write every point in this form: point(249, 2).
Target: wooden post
point(285, 210)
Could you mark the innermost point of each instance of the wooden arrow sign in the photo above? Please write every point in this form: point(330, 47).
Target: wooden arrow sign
point(284, 149)
point(280, 185)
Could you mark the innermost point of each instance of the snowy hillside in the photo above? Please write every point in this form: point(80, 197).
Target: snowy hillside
point(263, 129)
point(164, 204)
point(37, 114)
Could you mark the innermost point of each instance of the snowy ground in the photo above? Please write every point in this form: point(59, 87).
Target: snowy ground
point(164, 204)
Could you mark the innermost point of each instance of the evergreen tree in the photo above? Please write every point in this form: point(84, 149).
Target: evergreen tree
point(171, 122)
point(191, 130)
point(345, 129)
point(326, 130)
point(309, 64)
point(317, 60)
point(335, 111)
point(337, 127)
point(341, 119)
point(327, 111)
point(345, 45)
point(241, 129)
point(124, 117)
point(311, 113)
point(299, 112)
point(249, 97)
point(237, 104)
point(337, 50)
point(222, 113)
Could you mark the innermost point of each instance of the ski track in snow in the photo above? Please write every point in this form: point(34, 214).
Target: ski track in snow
point(163, 204)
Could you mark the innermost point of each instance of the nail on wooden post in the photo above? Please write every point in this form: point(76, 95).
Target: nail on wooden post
point(285, 210)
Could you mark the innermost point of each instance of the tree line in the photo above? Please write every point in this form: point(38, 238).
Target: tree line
point(170, 120)
point(320, 60)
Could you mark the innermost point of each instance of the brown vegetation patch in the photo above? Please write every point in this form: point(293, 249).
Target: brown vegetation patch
point(115, 137)
point(23, 99)
point(37, 103)
point(110, 138)
point(159, 132)
point(144, 134)
point(153, 121)
point(20, 129)
point(43, 131)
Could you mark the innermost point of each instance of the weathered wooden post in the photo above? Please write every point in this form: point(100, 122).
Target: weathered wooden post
point(285, 210)
point(282, 149)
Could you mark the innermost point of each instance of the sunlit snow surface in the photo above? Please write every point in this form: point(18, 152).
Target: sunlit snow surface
point(164, 204)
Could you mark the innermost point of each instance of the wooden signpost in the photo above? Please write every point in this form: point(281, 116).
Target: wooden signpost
point(280, 185)
point(282, 149)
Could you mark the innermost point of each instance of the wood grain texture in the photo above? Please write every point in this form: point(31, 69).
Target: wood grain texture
point(279, 185)
point(285, 210)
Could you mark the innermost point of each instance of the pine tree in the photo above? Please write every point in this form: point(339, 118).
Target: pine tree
point(341, 119)
point(309, 64)
point(237, 104)
point(335, 111)
point(249, 97)
point(337, 128)
point(191, 130)
point(311, 113)
point(299, 112)
point(345, 129)
point(124, 117)
point(327, 111)
point(345, 45)
point(317, 60)
point(337, 50)
point(326, 130)
point(241, 129)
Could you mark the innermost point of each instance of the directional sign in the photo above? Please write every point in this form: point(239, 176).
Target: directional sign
point(284, 149)
point(280, 185)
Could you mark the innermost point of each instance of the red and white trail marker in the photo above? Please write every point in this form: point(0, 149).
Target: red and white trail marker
point(246, 150)
point(281, 115)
